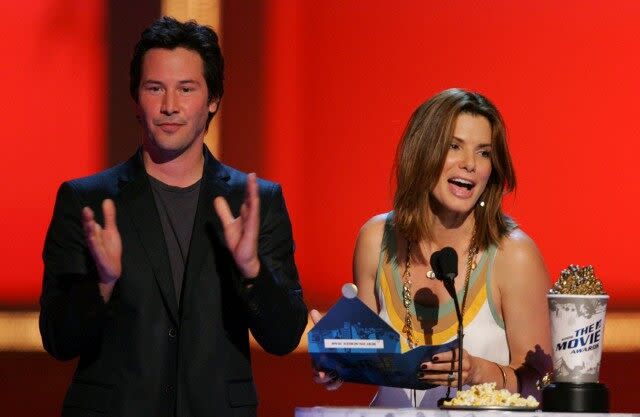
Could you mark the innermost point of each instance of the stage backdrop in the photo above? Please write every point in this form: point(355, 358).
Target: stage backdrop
point(329, 89)
point(342, 78)
point(53, 93)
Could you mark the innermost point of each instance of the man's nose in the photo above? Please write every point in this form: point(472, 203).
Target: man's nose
point(169, 103)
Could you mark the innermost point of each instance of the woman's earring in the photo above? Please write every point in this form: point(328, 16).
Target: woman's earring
point(482, 204)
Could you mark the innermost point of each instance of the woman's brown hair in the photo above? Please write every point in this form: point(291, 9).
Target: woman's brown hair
point(420, 159)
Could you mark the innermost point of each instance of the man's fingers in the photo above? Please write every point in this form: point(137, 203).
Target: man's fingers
point(89, 224)
point(109, 212)
point(250, 208)
point(222, 208)
point(87, 214)
point(230, 230)
point(252, 187)
point(241, 234)
point(315, 316)
point(253, 199)
point(251, 214)
point(243, 211)
point(87, 220)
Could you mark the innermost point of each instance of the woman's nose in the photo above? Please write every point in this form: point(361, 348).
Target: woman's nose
point(468, 162)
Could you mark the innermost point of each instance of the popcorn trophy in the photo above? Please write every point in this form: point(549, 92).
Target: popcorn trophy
point(577, 307)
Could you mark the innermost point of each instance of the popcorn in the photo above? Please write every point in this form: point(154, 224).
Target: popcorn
point(486, 395)
point(578, 281)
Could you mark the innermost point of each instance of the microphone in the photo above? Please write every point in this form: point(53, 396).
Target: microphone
point(444, 264)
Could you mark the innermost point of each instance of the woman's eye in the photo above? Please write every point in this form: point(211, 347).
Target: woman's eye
point(485, 154)
point(454, 146)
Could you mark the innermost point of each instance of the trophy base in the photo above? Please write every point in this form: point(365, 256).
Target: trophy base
point(588, 397)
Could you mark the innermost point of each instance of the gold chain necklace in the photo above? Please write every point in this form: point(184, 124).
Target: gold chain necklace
point(407, 329)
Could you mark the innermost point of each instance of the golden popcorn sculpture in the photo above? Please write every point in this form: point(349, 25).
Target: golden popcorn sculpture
point(578, 281)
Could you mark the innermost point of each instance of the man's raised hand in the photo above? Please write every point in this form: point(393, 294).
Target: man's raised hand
point(104, 244)
point(241, 233)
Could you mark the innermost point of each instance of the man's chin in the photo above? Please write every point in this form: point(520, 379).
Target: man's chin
point(163, 151)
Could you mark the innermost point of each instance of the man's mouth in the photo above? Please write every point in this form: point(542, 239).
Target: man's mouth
point(170, 124)
point(169, 127)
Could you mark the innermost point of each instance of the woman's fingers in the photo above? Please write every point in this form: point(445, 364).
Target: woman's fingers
point(321, 377)
point(442, 378)
point(329, 379)
point(316, 316)
point(442, 369)
point(333, 385)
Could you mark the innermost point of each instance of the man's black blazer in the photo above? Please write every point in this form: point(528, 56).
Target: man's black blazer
point(140, 354)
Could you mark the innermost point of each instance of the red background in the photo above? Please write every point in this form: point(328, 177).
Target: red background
point(565, 77)
point(334, 86)
point(53, 119)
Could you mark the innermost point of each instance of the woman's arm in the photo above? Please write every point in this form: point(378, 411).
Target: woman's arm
point(521, 283)
point(365, 260)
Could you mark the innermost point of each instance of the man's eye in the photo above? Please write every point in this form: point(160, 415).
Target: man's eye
point(186, 89)
point(153, 88)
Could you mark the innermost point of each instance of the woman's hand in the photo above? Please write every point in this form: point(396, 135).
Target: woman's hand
point(442, 369)
point(329, 379)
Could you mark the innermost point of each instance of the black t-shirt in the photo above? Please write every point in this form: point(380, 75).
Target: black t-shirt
point(177, 209)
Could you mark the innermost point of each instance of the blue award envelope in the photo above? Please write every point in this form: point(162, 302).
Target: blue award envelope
point(360, 347)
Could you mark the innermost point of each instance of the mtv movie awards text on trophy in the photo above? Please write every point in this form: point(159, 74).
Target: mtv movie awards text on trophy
point(583, 339)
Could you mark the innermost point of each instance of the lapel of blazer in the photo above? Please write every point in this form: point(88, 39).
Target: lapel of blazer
point(207, 226)
point(137, 197)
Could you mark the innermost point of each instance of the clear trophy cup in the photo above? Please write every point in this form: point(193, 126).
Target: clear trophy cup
point(577, 307)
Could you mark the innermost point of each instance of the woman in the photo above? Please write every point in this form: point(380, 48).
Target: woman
point(452, 168)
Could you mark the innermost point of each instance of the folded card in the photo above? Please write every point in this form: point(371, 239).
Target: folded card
point(359, 346)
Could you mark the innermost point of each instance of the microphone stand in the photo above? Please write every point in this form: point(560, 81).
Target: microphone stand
point(451, 289)
point(445, 266)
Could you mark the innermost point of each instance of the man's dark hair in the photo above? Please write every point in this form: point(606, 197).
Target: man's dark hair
point(169, 33)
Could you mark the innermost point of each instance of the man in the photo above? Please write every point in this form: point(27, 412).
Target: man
point(143, 282)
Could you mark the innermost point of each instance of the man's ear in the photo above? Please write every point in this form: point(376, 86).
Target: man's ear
point(213, 106)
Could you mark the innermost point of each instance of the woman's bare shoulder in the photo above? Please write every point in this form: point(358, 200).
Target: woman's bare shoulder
point(372, 230)
point(369, 242)
point(519, 256)
point(518, 246)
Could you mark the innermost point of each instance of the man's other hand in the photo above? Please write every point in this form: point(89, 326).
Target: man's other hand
point(105, 246)
point(241, 233)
